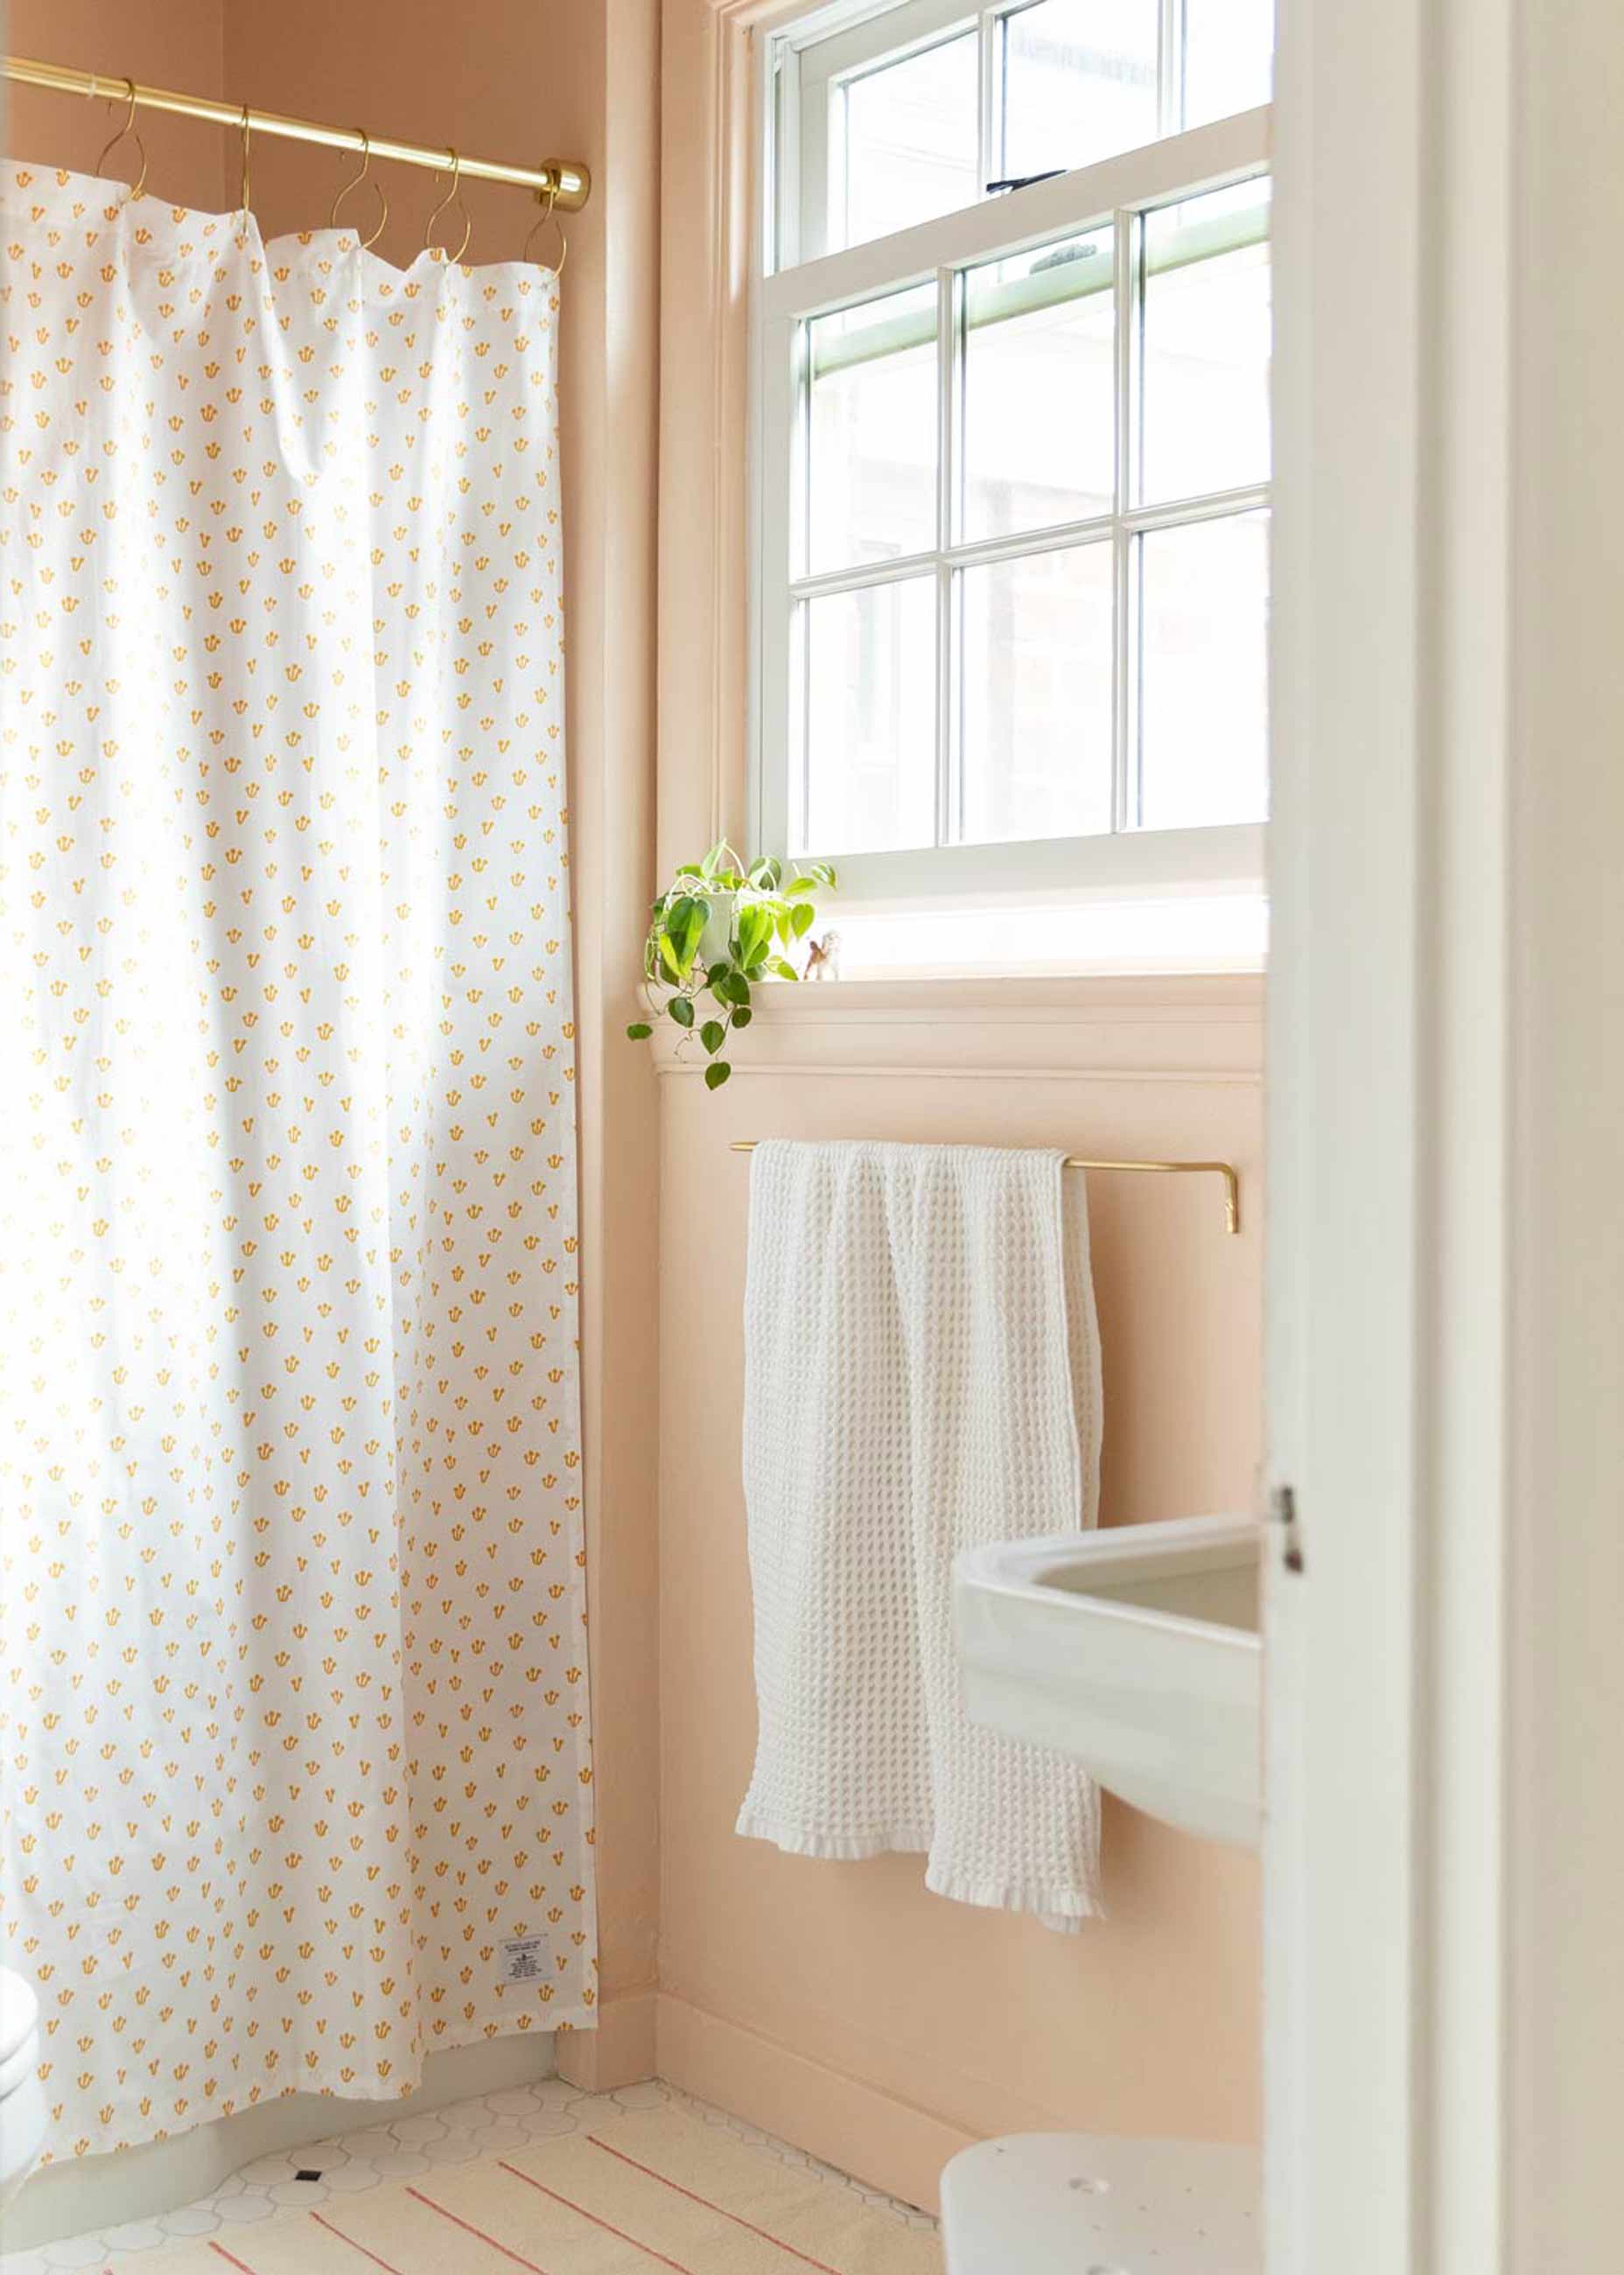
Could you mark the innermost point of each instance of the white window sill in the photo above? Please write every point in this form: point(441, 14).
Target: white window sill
point(1215, 935)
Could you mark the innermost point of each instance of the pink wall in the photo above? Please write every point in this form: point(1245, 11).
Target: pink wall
point(178, 43)
point(881, 2025)
point(841, 2005)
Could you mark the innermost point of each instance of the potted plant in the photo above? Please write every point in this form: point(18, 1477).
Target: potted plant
point(720, 930)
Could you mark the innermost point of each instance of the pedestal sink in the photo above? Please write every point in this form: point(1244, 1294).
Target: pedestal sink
point(1135, 1651)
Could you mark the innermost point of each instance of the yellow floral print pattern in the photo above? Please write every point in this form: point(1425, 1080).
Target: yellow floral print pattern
point(293, 1705)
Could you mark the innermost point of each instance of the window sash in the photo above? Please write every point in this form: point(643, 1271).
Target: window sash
point(844, 43)
point(810, 68)
point(1113, 193)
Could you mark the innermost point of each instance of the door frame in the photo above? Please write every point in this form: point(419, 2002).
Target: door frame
point(1444, 1987)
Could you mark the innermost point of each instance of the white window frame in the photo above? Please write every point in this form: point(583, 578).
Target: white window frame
point(837, 45)
point(1128, 861)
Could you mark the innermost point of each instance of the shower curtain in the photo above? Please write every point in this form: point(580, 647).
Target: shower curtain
point(294, 1742)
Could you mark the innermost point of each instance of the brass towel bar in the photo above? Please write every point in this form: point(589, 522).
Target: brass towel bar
point(562, 183)
point(1224, 1169)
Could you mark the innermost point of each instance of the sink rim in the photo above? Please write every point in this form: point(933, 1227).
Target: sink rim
point(1165, 1546)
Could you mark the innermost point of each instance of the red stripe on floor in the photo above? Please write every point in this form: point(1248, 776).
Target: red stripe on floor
point(766, 2236)
point(609, 2227)
point(469, 2228)
point(364, 2250)
point(231, 2258)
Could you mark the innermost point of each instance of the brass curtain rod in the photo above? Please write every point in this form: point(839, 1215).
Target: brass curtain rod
point(1224, 1169)
point(567, 178)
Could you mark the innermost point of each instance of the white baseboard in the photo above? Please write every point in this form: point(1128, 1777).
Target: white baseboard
point(84, 2193)
point(857, 2128)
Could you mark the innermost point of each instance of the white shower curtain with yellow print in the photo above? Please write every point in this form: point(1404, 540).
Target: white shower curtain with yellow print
point(294, 1744)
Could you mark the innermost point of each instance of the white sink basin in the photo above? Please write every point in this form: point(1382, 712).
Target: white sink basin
point(1135, 1650)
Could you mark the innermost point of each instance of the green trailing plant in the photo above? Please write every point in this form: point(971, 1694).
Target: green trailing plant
point(720, 929)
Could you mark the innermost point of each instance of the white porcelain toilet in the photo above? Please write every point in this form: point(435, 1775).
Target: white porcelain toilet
point(1092, 2203)
point(22, 2098)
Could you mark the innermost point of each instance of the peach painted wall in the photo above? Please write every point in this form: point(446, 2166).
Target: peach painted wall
point(165, 43)
point(523, 80)
point(839, 2004)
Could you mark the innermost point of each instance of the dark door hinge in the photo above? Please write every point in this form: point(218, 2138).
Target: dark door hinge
point(1283, 1512)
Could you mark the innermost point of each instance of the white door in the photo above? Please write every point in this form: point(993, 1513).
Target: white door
point(1445, 1981)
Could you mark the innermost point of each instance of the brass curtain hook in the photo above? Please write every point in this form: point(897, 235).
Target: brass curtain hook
point(548, 214)
point(354, 183)
point(454, 195)
point(247, 128)
point(128, 127)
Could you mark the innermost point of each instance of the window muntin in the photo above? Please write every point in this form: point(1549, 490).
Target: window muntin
point(1028, 581)
point(1036, 645)
point(1012, 580)
point(870, 675)
point(1202, 593)
point(915, 110)
point(902, 141)
point(1077, 80)
point(1229, 57)
point(1037, 388)
point(871, 450)
point(1205, 325)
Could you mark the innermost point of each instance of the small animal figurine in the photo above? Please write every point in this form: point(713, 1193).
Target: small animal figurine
point(823, 957)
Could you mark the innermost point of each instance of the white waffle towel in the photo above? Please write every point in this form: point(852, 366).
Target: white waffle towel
point(922, 1375)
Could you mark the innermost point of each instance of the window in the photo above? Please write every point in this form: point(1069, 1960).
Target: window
point(1012, 568)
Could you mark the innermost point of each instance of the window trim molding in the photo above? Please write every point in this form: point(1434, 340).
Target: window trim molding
point(1138, 862)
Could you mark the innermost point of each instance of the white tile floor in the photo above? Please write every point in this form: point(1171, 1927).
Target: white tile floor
point(356, 2161)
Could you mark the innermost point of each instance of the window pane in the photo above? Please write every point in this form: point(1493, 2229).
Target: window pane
point(1036, 720)
point(1039, 417)
point(873, 465)
point(1079, 82)
point(871, 678)
point(1229, 57)
point(910, 134)
point(1206, 334)
point(1203, 674)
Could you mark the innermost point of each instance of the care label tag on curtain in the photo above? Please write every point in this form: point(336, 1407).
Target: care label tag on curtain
point(524, 1958)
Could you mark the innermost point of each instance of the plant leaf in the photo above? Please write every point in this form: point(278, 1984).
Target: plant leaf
point(640, 1031)
point(685, 922)
point(783, 968)
point(713, 1034)
point(804, 917)
point(755, 930)
point(766, 875)
point(801, 885)
point(742, 1018)
point(681, 1008)
point(716, 1074)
